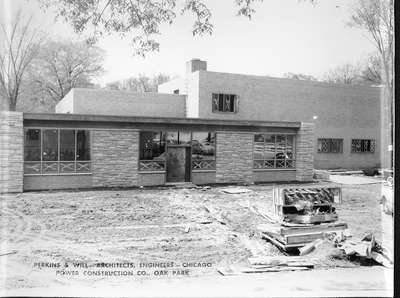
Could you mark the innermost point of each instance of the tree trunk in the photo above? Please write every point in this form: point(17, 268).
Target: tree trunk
point(387, 127)
point(12, 106)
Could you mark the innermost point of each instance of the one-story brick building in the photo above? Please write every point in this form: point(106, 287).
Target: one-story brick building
point(60, 151)
point(204, 128)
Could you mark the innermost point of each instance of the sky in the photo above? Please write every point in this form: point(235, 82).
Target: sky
point(283, 36)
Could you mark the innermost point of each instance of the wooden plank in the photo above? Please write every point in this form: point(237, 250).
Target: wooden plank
point(310, 247)
point(274, 241)
point(268, 260)
point(277, 237)
point(273, 269)
point(282, 264)
point(294, 239)
point(263, 215)
point(314, 229)
point(301, 230)
point(311, 219)
point(280, 244)
point(215, 214)
point(8, 253)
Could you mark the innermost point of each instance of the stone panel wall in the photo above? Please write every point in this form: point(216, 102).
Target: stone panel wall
point(148, 179)
point(234, 157)
point(305, 152)
point(115, 155)
point(203, 177)
point(11, 152)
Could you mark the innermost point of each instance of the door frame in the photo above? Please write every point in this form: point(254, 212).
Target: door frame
point(188, 161)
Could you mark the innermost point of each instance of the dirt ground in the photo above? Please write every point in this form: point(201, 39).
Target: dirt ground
point(47, 233)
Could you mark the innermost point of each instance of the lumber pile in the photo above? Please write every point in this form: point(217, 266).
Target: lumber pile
point(270, 264)
point(304, 215)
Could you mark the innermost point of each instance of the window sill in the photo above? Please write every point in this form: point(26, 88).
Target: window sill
point(60, 174)
point(274, 169)
point(221, 112)
point(330, 152)
point(152, 172)
point(367, 152)
point(202, 171)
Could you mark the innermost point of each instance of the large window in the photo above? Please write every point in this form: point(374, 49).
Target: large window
point(152, 151)
point(224, 102)
point(203, 150)
point(56, 151)
point(330, 145)
point(273, 151)
point(362, 145)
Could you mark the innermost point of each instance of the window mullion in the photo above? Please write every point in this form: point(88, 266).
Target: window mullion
point(41, 151)
point(75, 148)
point(58, 151)
point(285, 162)
point(264, 160)
point(275, 151)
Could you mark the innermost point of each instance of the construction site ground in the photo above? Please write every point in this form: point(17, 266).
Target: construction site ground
point(59, 240)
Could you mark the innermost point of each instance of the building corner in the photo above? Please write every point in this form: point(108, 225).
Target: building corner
point(305, 153)
point(11, 152)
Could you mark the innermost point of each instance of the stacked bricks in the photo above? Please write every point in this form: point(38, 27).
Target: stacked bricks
point(234, 157)
point(115, 155)
point(11, 152)
point(305, 152)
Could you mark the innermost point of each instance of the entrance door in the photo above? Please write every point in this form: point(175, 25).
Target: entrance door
point(178, 164)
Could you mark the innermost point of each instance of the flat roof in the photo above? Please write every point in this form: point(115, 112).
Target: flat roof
point(107, 119)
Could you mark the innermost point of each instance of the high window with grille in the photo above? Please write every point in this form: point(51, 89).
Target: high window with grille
point(326, 145)
point(363, 145)
point(224, 103)
point(273, 151)
point(56, 151)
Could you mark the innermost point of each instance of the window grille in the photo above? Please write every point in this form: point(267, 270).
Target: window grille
point(56, 151)
point(274, 151)
point(153, 149)
point(330, 145)
point(224, 103)
point(363, 145)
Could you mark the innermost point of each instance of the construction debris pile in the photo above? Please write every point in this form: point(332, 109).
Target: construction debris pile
point(304, 219)
point(303, 216)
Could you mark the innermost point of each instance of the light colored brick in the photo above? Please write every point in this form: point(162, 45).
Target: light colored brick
point(115, 155)
point(234, 155)
point(11, 151)
point(305, 152)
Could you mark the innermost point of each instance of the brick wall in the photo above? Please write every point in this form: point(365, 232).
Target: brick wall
point(305, 152)
point(115, 156)
point(234, 157)
point(11, 151)
point(343, 111)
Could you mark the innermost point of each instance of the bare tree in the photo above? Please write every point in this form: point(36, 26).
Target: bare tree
point(19, 45)
point(63, 65)
point(344, 74)
point(372, 69)
point(141, 83)
point(376, 18)
point(299, 76)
